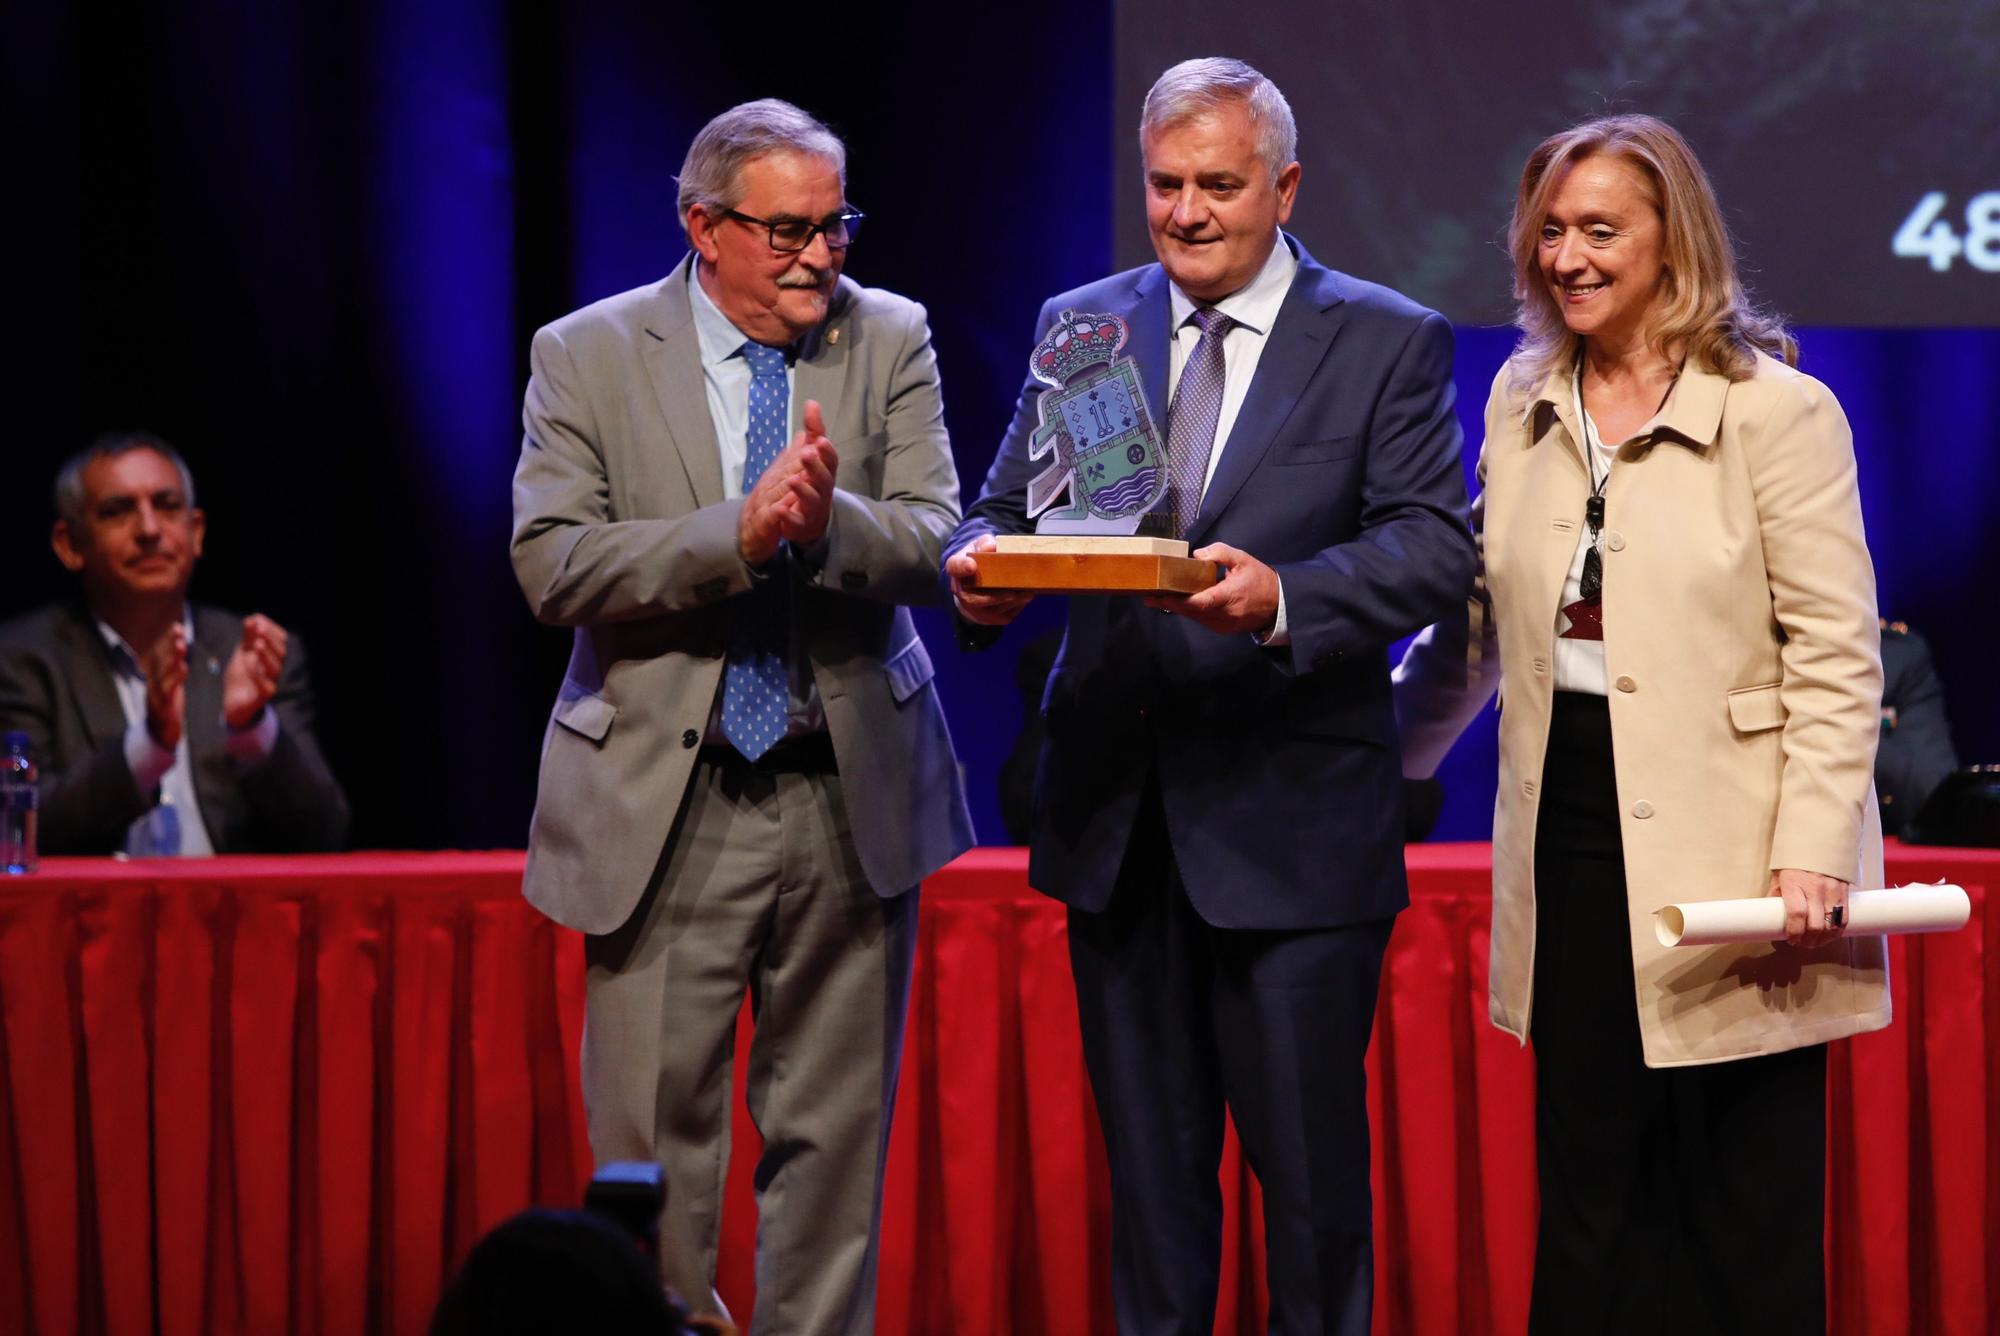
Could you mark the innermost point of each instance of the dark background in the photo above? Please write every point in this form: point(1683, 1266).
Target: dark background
point(1821, 123)
point(309, 243)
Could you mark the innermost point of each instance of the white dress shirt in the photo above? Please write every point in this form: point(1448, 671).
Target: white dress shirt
point(725, 374)
point(174, 825)
point(1579, 664)
point(1254, 309)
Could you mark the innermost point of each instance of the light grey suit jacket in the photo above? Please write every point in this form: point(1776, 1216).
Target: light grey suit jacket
point(622, 532)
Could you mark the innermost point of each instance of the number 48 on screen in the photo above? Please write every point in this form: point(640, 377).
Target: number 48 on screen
point(1925, 235)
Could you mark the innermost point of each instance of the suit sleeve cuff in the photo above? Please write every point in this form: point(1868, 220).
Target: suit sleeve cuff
point(1280, 633)
point(253, 745)
point(146, 759)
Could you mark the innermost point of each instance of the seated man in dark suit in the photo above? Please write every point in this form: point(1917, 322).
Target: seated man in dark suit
point(1915, 753)
point(161, 727)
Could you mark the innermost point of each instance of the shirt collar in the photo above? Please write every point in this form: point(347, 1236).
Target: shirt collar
point(1255, 304)
point(123, 656)
point(720, 339)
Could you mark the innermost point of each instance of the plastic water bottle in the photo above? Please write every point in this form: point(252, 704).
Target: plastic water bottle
point(18, 801)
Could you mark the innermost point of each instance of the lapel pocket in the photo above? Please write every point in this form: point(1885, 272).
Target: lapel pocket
point(1754, 709)
point(908, 669)
point(584, 712)
point(1316, 452)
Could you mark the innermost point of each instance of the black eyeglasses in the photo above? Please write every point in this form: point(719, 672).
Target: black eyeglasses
point(788, 236)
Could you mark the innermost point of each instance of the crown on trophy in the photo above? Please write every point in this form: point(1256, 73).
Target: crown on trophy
point(1076, 343)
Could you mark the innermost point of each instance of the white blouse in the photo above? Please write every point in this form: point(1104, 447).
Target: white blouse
point(1580, 663)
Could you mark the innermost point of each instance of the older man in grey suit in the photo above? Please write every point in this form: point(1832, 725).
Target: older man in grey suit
point(731, 482)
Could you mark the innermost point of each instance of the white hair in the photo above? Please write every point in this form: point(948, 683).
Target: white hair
point(1197, 88)
point(72, 498)
point(712, 174)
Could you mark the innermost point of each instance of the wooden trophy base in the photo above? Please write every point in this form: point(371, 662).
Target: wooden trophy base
point(1063, 564)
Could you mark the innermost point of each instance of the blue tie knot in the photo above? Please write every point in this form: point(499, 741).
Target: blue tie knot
point(764, 361)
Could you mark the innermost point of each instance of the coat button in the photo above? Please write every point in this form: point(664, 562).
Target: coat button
point(1527, 788)
point(1627, 684)
point(689, 738)
point(1614, 540)
point(1642, 809)
point(1541, 665)
point(854, 579)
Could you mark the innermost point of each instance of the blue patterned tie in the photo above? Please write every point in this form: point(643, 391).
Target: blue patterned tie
point(756, 695)
point(1191, 419)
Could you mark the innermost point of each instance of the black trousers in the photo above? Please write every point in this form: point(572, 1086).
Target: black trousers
point(1674, 1200)
point(1180, 1018)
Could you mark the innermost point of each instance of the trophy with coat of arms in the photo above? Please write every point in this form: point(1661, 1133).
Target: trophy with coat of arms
point(1097, 529)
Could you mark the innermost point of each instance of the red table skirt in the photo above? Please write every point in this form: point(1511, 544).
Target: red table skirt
point(286, 1095)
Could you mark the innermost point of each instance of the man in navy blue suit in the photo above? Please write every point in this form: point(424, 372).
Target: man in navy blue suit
point(1219, 798)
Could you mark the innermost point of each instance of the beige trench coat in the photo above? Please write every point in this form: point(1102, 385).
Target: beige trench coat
point(1742, 653)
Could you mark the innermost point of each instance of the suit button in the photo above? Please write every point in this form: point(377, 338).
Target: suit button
point(854, 579)
point(1541, 665)
point(1642, 809)
point(1528, 788)
point(1614, 540)
point(1626, 684)
point(689, 738)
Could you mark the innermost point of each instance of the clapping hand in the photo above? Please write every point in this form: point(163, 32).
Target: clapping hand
point(166, 669)
point(793, 499)
point(251, 678)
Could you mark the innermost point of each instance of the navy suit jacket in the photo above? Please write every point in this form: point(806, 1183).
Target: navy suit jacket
point(1278, 767)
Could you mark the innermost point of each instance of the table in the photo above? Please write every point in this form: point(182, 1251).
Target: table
point(285, 1095)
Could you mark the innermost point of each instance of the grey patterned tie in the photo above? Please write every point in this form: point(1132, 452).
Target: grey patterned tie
point(1191, 419)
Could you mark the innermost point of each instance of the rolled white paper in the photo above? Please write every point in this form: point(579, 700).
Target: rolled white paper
point(1869, 914)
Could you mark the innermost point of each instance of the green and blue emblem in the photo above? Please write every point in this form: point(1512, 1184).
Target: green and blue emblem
point(1108, 458)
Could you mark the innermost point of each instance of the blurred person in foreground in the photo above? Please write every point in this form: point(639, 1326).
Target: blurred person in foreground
point(1218, 799)
point(162, 727)
point(550, 1273)
point(732, 482)
point(1683, 609)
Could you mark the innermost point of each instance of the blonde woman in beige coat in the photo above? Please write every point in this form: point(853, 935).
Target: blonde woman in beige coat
point(1683, 608)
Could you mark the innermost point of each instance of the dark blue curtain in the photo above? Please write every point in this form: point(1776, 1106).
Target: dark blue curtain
point(308, 243)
